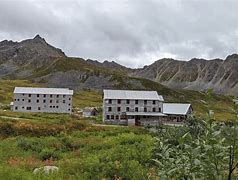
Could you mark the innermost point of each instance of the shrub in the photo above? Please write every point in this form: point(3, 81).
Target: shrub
point(47, 154)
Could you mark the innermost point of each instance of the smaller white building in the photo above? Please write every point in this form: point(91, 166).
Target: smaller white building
point(49, 100)
point(89, 112)
point(176, 112)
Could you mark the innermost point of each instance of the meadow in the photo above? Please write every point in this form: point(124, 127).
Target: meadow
point(80, 149)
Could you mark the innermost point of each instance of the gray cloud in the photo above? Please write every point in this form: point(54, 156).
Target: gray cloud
point(131, 32)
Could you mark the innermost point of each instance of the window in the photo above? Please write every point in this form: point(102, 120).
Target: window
point(51, 95)
point(39, 108)
point(29, 100)
point(44, 95)
point(118, 109)
point(23, 99)
point(22, 107)
point(37, 100)
point(57, 95)
point(15, 99)
point(23, 94)
point(127, 109)
point(154, 102)
point(69, 99)
point(29, 95)
point(51, 101)
point(57, 106)
point(18, 99)
point(63, 101)
point(136, 102)
point(127, 101)
point(53, 106)
point(145, 101)
point(159, 109)
point(136, 109)
point(110, 101)
point(109, 109)
point(57, 101)
point(117, 117)
point(28, 108)
point(38, 95)
point(63, 96)
point(118, 101)
point(145, 109)
point(50, 106)
point(69, 109)
point(108, 117)
point(44, 101)
point(69, 104)
point(16, 108)
point(112, 116)
point(154, 109)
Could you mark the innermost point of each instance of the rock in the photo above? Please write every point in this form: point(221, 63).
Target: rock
point(46, 170)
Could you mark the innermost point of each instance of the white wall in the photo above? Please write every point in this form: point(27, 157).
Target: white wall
point(21, 103)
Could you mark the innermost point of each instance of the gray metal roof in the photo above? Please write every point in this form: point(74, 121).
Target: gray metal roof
point(145, 114)
point(30, 90)
point(176, 108)
point(127, 94)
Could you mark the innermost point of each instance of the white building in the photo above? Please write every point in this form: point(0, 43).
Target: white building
point(141, 108)
point(176, 112)
point(50, 100)
point(89, 112)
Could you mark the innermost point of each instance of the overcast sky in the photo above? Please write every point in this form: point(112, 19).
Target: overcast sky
point(130, 32)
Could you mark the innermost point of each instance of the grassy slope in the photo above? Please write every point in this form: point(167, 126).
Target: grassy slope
point(222, 104)
point(80, 150)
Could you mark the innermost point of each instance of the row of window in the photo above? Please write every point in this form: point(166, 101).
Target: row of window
point(44, 95)
point(128, 101)
point(136, 109)
point(39, 108)
point(44, 101)
point(122, 117)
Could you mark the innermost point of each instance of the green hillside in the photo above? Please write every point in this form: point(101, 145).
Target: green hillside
point(221, 104)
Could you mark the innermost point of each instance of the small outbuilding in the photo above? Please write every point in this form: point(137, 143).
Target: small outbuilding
point(176, 112)
point(90, 111)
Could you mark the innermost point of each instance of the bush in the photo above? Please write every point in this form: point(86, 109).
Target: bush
point(47, 154)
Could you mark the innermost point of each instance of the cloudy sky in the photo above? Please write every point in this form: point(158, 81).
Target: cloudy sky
point(130, 32)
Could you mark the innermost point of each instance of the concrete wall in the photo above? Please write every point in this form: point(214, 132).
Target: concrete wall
point(59, 104)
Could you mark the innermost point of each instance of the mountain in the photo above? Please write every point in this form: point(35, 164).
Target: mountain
point(21, 58)
point(196, 74)
point(36, 60)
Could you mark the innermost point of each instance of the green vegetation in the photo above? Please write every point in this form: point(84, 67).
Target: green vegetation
point(85, 151)
point(80, 150)
point(203, 149)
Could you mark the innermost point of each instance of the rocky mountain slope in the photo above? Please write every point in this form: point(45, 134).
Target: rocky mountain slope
point(196, 74)
point(36, 60)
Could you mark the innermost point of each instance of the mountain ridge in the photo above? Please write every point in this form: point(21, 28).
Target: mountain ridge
point(37, 60)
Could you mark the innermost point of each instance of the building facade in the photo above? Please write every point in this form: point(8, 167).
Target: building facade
point(49, 100)
point(132, 107)
point(143, 108)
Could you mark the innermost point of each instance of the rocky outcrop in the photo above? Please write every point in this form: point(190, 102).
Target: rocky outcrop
point(196, 74)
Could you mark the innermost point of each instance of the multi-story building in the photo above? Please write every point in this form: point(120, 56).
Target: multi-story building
point(140, 108)
point(132, 107)
point(50, 100)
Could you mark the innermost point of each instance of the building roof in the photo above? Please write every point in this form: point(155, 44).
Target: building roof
point(30, 90)
point(176, 108)
point(145, 114)
point(127, 94)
